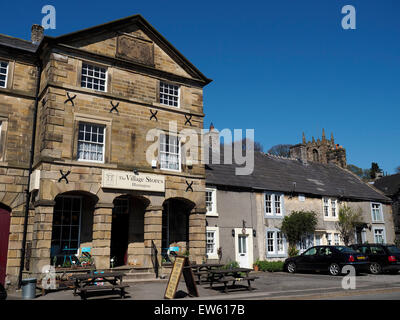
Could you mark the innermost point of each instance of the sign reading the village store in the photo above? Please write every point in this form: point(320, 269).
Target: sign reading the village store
point(114, 179)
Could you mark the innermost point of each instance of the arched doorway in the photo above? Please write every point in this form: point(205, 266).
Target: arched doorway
point(175, 226)
point(72, 230)
point(4, 237)
point(315, 155)
point(127, 230)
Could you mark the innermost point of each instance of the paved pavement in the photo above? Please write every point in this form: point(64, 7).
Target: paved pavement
point(269, 286)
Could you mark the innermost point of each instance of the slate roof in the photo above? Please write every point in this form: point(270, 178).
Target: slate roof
point(273, 173)
point(16, 43)
point(389, 185)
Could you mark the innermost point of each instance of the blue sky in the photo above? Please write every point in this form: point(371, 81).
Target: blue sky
point(280, 67)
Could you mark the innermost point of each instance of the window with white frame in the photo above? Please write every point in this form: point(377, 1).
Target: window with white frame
point(377, 215)
point(336, 239)
point(211, 203)
point(330, 208)
point(273, 205)
point(3, 74)
point(379, 235)
point(212, 242)
point(329, 239)
point(170, 154)
point(275, 243)
point(93, 77)
point(169, 94)
point(91, 142)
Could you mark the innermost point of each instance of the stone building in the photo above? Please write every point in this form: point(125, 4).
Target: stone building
point(109, 172)
point(245, 213)
point(323, 151)
point(390, 186)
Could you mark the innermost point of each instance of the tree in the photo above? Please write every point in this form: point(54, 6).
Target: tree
point(398, 169)
point(282, 150)
point(298, 224)
point(356, 170)
point(374, 170)
point(349, 219)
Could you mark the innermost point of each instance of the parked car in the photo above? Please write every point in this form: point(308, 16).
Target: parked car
point(382, 257)
point(327, 258)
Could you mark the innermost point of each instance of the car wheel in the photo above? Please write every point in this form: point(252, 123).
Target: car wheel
point(375, 268)
point(334, 269)
point(291, 267)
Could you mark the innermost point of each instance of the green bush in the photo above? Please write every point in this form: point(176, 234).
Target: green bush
point(271, 266)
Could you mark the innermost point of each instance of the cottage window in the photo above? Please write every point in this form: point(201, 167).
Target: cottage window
point(275, 243)
point(169, 94)
point(330, 208)
point(329, 239)
point(3, 74)
point(94, 77)
point(211, 204)
point(377, 215)
point(379, 235)
point(170, 152)
point(336, 235)
point(273, 205)
point(212, 242)
point(91, 142)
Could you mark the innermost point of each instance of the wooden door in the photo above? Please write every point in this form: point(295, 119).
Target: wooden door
point(4, 235)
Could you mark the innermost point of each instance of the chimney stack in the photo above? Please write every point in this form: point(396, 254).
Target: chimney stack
point(37, 33)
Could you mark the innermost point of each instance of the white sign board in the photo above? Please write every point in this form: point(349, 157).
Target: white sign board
point(35, 181)
point(114, 179)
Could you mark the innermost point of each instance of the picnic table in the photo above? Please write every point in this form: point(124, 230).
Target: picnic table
point(98, 281)
point(204, 269)
point(234, 274)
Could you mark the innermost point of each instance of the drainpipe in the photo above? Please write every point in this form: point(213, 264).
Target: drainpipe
point(32, 153)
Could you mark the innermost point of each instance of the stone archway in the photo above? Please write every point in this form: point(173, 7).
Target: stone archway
point(175, 226)
point(72, 226)
point(127, 230)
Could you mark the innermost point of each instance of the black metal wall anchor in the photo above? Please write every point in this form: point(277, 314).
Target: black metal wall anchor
point(153, 114)
point(114, 107)
point(189, 186)
point(44, 101)
point(188, 119)
point(71, 99)
point(64, 176)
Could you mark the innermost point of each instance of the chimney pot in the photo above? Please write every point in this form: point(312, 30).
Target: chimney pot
point(37, 33)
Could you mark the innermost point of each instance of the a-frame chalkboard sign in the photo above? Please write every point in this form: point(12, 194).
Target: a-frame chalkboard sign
point(181, 265)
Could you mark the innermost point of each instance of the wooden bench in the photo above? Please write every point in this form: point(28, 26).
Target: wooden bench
point(83, 291)
point(225, 281)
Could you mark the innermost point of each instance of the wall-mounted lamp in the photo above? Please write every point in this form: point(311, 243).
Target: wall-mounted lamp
point(135, 171)
point(254, 233)
point(233, 232)
point(189, 163)
point(154, 164)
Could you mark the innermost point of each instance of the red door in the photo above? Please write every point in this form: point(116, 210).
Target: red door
point(4, 234)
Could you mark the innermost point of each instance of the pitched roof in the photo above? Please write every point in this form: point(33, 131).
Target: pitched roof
point(16, 43)
point(389, 185)
point(273, 173)
point(147, 27)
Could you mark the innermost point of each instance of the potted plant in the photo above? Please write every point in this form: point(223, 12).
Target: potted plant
point(256, 265)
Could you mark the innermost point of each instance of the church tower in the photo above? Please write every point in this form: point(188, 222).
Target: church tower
point(320, 150)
